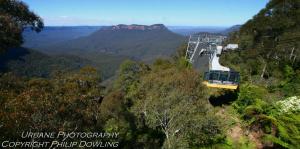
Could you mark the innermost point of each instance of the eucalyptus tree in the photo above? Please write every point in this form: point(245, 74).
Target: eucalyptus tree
point(15, 16)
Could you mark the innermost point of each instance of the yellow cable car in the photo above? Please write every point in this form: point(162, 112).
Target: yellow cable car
point(222, 79)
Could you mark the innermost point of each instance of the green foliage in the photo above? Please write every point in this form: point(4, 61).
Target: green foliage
point(269, 47)
point(129, 75)
point(291, 85)
point(182, 63)
point(106, 63)
point(180, 52)
point(288, 131)
point(121, 126)
point(68, 102)
point(14, 17)
point(174, 101)
point(275, 140)
point(280, 128)
point(288, 72)
point(268, 60)
point(249, 95)
point(242, 143)
point(31, 63)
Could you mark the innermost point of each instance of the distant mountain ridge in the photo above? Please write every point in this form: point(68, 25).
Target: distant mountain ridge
point(51, 35)
point(135, 27)
point(231, 29)
point(136, 41)
point(189, 30)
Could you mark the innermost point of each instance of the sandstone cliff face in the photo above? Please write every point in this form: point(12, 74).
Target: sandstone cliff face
point(135, 27)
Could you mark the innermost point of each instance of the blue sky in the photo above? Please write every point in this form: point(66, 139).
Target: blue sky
point(168, 12)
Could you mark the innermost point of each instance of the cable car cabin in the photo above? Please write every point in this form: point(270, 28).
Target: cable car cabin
point(222, 79)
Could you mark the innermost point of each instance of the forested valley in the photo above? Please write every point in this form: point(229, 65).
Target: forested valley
point(163, 104)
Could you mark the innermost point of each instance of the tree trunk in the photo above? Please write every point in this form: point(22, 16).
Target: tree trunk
point(294, 60)
point(168, 140)
point(250, 77)
point(263, 72)
point(292, 53)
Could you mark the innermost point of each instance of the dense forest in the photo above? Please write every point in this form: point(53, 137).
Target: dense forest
point(268, 60)
point(32, 63)
point(165, 104)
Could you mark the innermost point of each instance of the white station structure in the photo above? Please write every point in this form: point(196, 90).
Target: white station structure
point(217, 76)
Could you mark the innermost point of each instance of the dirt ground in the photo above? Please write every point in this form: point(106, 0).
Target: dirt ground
point(237, 131)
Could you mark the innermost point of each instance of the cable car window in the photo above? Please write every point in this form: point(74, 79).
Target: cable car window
point(206, 76)
point(223, 76)
point(237, 77)
point(214, 75)
point(232, 77)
